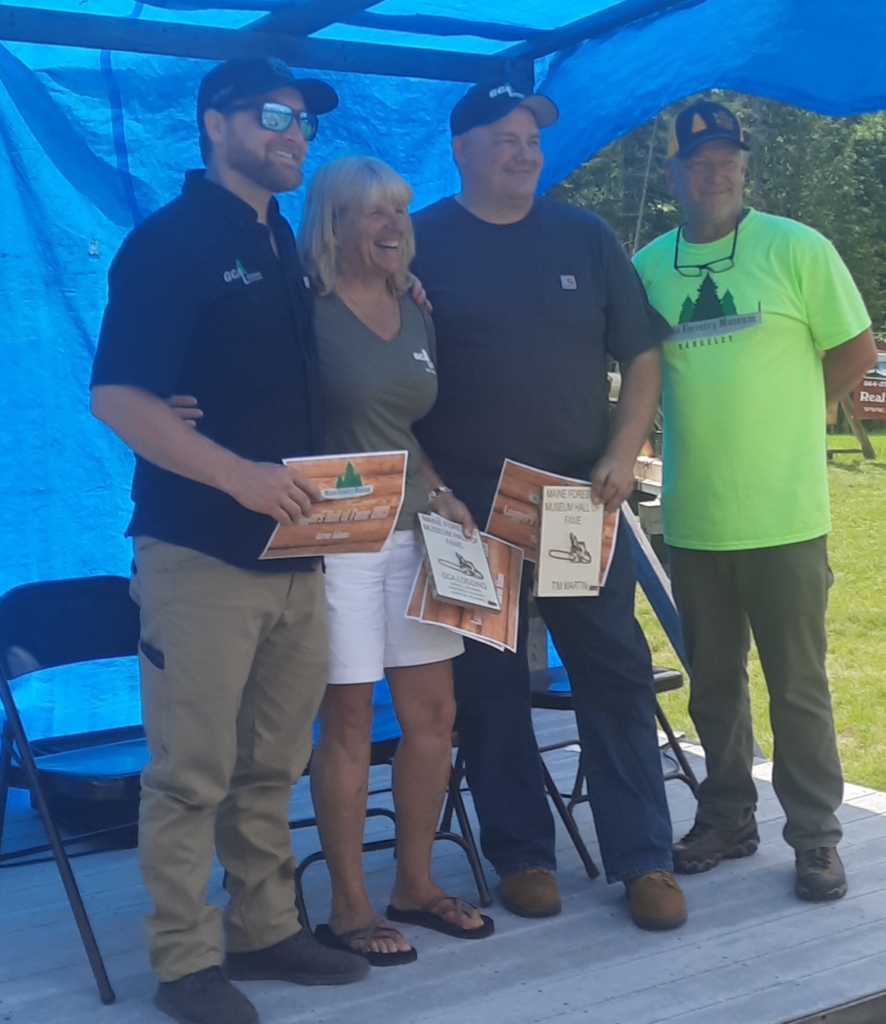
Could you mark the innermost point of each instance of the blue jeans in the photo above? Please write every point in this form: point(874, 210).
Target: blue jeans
point(608, 662)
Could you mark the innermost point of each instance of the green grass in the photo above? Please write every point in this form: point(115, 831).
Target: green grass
point(856, 622)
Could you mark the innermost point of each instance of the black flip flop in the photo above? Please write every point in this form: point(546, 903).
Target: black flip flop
point(425, 918)
point(327, 937)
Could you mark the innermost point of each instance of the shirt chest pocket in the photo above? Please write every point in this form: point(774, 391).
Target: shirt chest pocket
point(572, 300)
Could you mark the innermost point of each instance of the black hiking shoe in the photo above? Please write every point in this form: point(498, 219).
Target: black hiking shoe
point(704, 846)
point(205, 997)
point(820, 875)
point(300, 959)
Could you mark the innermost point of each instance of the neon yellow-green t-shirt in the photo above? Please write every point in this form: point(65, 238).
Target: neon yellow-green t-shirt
point(743, 397)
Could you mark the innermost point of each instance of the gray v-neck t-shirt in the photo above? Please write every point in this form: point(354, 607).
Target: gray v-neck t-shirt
point(374, 390)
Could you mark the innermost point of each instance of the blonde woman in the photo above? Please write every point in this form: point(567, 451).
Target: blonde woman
point(377, 360)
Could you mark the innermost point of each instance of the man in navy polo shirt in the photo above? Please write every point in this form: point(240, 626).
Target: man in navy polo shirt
point(208, 297)
point(530, 297)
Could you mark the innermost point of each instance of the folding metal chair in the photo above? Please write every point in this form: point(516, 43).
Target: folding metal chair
point(551, 690)
point(385, 737)
point(46, 625)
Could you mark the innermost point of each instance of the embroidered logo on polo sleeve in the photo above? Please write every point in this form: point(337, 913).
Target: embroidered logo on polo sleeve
point(568, 282)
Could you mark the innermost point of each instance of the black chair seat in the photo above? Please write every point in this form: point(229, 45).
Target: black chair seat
point(551, 688)
point(103, 765)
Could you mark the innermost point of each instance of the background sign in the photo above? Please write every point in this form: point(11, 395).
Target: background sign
point(869, 399)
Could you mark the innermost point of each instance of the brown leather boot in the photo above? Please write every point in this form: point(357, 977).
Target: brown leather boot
point(532, 892)
point(657, 901)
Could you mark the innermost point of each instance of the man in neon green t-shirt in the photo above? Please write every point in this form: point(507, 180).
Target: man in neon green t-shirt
point(768, 327)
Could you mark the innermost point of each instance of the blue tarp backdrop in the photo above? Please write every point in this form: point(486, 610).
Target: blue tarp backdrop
point(93, 140)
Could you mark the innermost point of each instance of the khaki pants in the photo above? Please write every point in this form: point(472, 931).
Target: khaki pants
point(233, 666)
point(779, 593)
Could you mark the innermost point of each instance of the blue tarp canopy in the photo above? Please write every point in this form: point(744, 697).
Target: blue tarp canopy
point(97, 125)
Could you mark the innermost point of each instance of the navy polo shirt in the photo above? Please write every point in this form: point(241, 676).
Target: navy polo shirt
point(526, 315)
point(199, 304)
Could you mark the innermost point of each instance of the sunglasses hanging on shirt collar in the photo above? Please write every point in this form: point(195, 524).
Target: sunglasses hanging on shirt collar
point(714, 267)
point(277, 117)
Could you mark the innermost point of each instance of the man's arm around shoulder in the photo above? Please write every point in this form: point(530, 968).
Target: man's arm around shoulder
point(152, 430)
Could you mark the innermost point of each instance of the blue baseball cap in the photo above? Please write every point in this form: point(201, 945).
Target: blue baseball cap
point(701, 122)
point(490, 101)
point(242, 79)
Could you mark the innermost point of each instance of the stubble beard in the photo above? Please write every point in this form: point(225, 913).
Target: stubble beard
point(259, 169)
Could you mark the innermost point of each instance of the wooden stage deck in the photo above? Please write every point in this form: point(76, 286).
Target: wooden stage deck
point(751, 953)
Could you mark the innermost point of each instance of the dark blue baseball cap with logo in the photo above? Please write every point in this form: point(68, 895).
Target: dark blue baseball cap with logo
point(701, 122)
point(242, 79)
point(488, 102)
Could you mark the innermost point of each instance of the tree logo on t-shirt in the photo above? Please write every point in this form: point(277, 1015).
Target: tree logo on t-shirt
point(710, 319)
point(708, 304)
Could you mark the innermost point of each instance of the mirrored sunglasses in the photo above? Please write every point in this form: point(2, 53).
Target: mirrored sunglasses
point(277, 117)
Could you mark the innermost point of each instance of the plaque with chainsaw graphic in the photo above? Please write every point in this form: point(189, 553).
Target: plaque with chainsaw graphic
point(458, 570)
point(498, 629)
point(570, 543)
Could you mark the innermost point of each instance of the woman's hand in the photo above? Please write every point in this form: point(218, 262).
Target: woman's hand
point(186, 408)
point(448, 506)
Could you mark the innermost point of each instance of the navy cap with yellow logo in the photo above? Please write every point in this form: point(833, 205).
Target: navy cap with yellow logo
point(701, 122)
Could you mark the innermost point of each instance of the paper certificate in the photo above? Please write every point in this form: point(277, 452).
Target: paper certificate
point(362, 498)
point(458, 570)
point(498, 629)
point(515, 513)
point(570, 544)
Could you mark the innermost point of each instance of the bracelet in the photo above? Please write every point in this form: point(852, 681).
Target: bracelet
point(437, 491)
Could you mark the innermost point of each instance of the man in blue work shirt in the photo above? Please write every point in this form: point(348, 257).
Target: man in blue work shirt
point(530, 299)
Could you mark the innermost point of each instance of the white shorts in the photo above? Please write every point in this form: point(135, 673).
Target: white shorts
point(368, 630)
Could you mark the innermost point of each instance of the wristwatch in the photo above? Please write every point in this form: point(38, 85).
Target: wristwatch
point(437, 491)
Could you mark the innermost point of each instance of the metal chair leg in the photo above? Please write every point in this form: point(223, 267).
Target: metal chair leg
point(686, 774)
point(458, 774)
point(568, 821)
point(300, 905)
point(470, 846)
point(5, 768)
point(58, 851)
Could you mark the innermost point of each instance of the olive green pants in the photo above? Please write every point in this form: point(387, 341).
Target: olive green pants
point(233, 667)
point(780, 595)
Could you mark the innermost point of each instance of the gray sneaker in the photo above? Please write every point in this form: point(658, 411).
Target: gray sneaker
point(205, 997)
point(820, 875)
point(300, 959)
point(704, 846)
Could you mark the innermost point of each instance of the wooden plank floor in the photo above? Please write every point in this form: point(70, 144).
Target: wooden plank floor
point(751, 953)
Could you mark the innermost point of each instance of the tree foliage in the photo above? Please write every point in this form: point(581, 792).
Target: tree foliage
point(827, 172)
